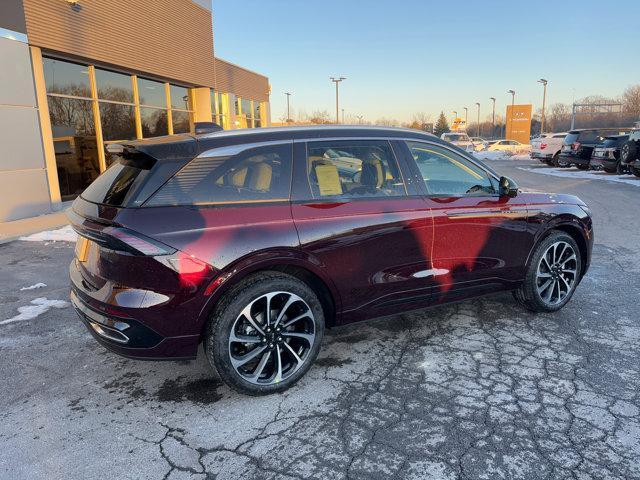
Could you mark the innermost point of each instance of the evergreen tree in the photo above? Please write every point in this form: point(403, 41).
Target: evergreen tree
point(442, 126)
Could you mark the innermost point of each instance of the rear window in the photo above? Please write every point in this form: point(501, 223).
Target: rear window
point(457, 137)
point(231, 176)
point(560, 136)
point(570, 138)
point(119, 182)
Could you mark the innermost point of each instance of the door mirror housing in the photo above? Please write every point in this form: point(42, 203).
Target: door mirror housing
point(508, 188)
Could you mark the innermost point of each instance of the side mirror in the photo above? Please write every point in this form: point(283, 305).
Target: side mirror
point(508, 187)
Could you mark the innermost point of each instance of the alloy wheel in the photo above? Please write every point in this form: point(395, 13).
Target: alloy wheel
point(271, 338)
point(557, 273)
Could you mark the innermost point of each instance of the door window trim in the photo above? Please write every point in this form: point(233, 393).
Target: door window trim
point(493, 178)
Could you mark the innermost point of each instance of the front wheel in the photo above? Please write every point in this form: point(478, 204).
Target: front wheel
point(265, 333)
point(629, 152)
point(552, 275)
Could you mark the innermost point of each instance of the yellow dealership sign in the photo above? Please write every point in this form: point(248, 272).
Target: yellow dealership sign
point(519, 123)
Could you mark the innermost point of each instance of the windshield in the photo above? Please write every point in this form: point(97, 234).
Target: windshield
point(457, 137)
point(116, 184)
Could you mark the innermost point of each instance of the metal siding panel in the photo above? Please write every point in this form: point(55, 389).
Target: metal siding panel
point(240, 81)
point(172, 39)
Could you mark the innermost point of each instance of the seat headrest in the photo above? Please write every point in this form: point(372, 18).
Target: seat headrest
point(372, 172)
point(260, 177)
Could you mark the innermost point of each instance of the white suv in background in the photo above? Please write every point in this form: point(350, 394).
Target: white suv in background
point(459, 139)
point(547, 146)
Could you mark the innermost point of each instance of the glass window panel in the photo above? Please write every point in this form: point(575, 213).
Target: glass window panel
point(238, 101)
point(246, 108)
point(256, 110)
point(74, 142)
point(180, 121)
point(151, 93)
point(446, 173)
point(214, 105)
point(114, 86)
point(66, 78)
point(256, 123)
point(353, 169)
point(154, 122)
point(179, 97)
point(257, 174)
point(118, 121)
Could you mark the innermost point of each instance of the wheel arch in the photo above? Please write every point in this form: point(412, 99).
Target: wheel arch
point(290, 263)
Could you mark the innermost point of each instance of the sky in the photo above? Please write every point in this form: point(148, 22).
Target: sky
point(405, 57)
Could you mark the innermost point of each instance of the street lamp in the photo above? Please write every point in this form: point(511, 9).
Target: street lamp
point(288, 111)
point(359, 117)
point(544, 82)
point(493, 117)
point(455, 115)
point(513, 101)
point(466, 116)
point(478, 129)
point(337, 81)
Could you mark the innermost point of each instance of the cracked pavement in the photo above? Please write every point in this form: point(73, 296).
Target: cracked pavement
point(479, 389)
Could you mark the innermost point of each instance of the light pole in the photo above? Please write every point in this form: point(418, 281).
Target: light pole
point(478, 129)
point(337, 81)
point(466, 116)
point(359, 119)
point(493, 117)
point(513, 101)
point(455, 115)
point(343, 115)
point(544, 82)
point(288, 111)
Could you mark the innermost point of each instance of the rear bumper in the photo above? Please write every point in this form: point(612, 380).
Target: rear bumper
point(124, 333)
point(598, 163)
point(541, 156)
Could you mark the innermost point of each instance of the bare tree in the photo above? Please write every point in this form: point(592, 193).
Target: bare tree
point(631, 101)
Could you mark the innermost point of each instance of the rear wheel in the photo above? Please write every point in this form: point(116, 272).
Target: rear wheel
point(552, 275)
point(265, 334)
point(629, 152)
point(635, 171)
point(612, 169)
point(561, 162)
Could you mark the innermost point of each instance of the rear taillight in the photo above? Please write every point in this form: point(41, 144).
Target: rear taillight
point(543, 146)
point(123, 239)
point(575, 146)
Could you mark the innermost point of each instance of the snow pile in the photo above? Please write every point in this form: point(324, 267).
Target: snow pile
point(37, 308)
point(501, 155)
point(64, 234)
point(33, 287)
point(584, 174)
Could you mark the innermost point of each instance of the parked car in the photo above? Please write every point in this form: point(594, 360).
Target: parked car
point(459, 139)
point(606, 156)
point(252, 242)
point(546, 147)
point(512, 146)
point(479, 144)
point(635, 168)
point(578, 145)
point(630, 151)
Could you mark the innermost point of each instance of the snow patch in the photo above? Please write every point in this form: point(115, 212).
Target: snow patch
point(33, 287)
point(500, 155)
point(584, 174)
point(37, 308)
point(64, 234)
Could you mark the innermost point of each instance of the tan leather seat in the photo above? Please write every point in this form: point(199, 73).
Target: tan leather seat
point(260, 177)
point(238, 177)
point(373, 174)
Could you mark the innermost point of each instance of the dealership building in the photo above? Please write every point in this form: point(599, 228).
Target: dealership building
point(78, 75)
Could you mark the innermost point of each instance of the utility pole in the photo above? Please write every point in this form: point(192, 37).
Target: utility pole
point(513, 101)
point(466, 117)
point(288, 111)
point(337, 82)
point(493, 117)
point(544, 101)
point(359, 119)
point(343, 115)
point(478, 129)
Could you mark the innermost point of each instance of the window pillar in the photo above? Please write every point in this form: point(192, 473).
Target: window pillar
point(102, 161)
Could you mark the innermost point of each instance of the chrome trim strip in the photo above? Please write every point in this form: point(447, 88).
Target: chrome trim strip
point(13, 35)
point(230, 150)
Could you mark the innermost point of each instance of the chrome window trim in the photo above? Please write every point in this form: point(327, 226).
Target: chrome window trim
point(230, 150)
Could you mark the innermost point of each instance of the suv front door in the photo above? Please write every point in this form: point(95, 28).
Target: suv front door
point(480, 238)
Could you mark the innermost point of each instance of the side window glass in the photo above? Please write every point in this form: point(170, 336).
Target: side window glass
point(353, 169)
point(446, 173)
point(253, 175)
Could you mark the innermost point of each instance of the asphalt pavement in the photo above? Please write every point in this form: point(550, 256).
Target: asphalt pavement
point(480, 389)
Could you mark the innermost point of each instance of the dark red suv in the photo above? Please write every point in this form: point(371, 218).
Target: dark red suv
point(253, 242)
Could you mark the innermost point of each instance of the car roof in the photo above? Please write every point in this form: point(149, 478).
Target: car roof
point(184, 145)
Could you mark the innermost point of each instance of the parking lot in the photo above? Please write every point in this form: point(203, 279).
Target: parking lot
point(480, 389)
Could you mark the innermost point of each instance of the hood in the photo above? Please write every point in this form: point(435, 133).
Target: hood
point(546, 198)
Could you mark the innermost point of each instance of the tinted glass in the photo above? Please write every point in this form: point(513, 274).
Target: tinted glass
point(179, 97)
point(353, 169)
point(114, 86)
point(180, 121)
point(74, 142)
point(118, 121)
point(570, 138)
point(448, 174)
point(246, 108)
point(560, 136)
point(116, 184)
point(151, 93)
point(154, 122)
point(66, 78)
point(257, 174)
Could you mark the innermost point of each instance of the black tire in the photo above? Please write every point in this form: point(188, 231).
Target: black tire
point(629, 152)
point(582, 166)
point(527, 294)
point(614, 169)
point(635, 171)
point(621, 169)
point(554, 159)
point(560, 162)
point(217, 343)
